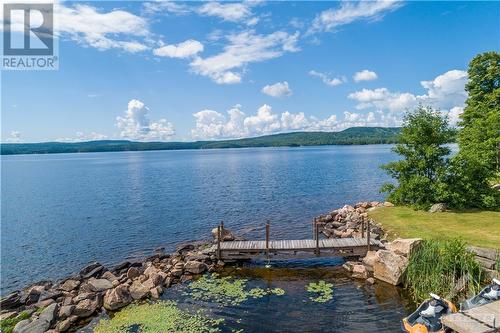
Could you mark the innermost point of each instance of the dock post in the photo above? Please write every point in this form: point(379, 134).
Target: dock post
point(363, 228)
point(317, 240)
point(314, 228)
point(368, 235)
point(267, 240)
point(219, 235)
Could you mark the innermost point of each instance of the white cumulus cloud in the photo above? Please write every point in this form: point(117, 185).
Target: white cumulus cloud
point(349, 12)
point(326, 79)
point(365, 75)
point(211, 124)
point(244, 48)
point(15, 137)
point(279, 89)
point(446, 92)
point(103, 30)
point(185, 49)
point(135, 124)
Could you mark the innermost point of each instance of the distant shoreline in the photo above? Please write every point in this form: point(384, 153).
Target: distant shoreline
point(350, 136)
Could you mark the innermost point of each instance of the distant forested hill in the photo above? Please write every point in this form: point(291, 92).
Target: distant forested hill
point(350, 136)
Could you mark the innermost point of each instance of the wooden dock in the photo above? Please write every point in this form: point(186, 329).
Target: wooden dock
point(483, 319)
point(337, 247)
point(344, 247)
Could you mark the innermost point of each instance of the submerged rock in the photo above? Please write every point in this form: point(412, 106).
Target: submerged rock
point(226, 234)
point(359, 272)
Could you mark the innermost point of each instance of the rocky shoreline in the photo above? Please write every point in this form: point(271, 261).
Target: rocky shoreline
point(72, 302)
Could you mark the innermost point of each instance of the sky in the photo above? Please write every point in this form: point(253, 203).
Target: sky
point(183, 71)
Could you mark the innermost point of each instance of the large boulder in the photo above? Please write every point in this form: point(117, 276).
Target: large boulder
point(438, 208)
point(195, 267)
point(138, 290)
point(226, 234)
point(117, 298)
point(388, 204)
point(39, 325)
point(404, 246)
point(389, 267)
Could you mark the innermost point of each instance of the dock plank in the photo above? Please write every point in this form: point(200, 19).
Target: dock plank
point(463, 324)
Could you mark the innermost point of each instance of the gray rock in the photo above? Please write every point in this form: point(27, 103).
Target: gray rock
point(226, 234)
point(49, 294)
point(109, 276)
point(133, 273)
point(438, 208)
point(359, 272)
point(117, 298)
point(87, 307)
point(484, 252)
point(92, 270)
point(82, 296)
point(138, 290)
point(99, 284)
point(65, 311)
point(11, 301)
point(39, 325)
point(49, 313)
point(8, 315)
point(389, 266)
point(69, 285)
point(64, 325)
point(20, 326)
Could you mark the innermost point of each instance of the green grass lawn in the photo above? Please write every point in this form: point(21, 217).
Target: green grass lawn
point(480, 228)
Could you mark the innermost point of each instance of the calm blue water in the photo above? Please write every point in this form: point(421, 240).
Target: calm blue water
point(61, 211)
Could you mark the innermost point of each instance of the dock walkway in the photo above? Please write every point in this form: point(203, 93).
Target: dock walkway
point(321, 248)
point(483, 319)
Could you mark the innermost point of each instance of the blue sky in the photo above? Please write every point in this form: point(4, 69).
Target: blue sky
point(211, 70)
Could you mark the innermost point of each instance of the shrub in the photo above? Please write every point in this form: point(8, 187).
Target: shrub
point(445, 268)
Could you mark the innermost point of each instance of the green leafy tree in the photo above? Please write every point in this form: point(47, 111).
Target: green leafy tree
point(478, 160)
point(420, 173)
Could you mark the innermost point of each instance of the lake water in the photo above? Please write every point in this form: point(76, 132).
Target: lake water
point(355, 307)
point(61, 211)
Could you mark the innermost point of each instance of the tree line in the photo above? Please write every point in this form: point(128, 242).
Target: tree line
point(427, 174)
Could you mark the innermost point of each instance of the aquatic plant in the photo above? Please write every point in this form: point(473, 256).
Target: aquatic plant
point(323, 289)
point(226, 290)
point(443, 267)
point(163, 316)
point(7, 325)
